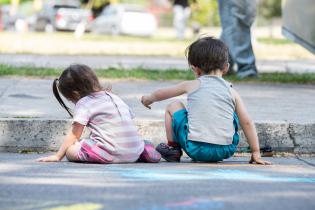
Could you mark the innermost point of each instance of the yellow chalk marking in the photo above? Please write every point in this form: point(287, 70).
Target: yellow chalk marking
point(81, 206)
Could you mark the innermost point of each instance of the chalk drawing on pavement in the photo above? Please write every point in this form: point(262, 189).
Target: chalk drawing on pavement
point(188, 204)
point(150, 174)
point(214, 174)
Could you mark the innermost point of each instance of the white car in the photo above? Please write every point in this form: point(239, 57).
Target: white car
point(124, 19)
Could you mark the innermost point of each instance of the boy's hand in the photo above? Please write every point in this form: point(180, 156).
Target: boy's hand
point(147, 101)
point(256, 158)
point(52, 158)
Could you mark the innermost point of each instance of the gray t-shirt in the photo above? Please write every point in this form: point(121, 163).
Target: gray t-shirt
point(210, 111)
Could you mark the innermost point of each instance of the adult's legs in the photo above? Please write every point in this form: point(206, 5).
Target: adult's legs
point(186, 15)
point(237, 17)
point(181, 15)
point(170, 110)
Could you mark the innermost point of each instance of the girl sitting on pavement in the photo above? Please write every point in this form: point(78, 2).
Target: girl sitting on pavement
point(208, 129)
point(114, 137)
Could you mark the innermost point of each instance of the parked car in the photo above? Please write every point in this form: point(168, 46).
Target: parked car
point(124, 19)
point(61, 15)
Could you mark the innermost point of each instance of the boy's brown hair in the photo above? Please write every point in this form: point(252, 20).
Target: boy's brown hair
point(208, 54)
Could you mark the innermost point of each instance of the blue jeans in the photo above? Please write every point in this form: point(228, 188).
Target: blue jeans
point(237, 17)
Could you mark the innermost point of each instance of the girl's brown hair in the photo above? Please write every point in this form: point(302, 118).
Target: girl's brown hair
point(75, 82)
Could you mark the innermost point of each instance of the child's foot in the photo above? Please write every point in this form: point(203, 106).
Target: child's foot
point(149, 154)
point(169, 153)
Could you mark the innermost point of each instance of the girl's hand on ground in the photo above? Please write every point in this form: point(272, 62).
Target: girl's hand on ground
point(256, 158)
point(52, 158)
point(146, 101)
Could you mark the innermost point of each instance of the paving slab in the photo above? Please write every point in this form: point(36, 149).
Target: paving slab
point(233, 184)
point(21, 97)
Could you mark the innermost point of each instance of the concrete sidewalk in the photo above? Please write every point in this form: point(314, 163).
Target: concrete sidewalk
point(22, 98)
point(33, 120)
point(147, 62)
point(233, 184)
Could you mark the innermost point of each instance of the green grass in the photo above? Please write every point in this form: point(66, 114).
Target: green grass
point(171, 74)
point(6, 70)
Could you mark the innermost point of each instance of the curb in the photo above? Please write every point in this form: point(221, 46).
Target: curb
point(40, 135)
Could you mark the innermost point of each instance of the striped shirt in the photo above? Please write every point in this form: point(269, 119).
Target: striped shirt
point(110, 122)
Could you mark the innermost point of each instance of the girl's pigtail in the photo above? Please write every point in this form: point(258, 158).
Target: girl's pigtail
point(56, 93)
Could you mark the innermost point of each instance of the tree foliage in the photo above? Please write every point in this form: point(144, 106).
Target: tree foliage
point(4, 2)
point(9, 1)
point(205, 12)
point(269, 8)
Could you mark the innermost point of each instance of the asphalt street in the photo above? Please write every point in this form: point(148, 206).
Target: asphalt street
point(232, 184)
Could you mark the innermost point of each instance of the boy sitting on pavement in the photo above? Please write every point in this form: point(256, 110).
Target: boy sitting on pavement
point(207, 130)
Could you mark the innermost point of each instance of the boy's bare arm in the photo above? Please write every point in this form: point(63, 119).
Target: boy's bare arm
point(166, 93)
point(249, 130)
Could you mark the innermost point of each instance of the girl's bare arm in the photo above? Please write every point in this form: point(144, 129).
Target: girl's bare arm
point(166, 93)
point(70, 139)
point(249, 130)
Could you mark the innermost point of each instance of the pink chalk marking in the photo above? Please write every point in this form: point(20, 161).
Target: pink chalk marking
point(186, 203)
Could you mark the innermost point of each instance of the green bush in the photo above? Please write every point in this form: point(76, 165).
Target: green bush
point(9, 1)
point(205, 12)
point(4, 2)
point(269, 9)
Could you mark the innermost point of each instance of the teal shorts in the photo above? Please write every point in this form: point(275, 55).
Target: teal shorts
point(201, 151)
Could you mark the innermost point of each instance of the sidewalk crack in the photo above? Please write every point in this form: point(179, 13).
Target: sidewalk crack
point(2, 93)
point(304, 161)
point(292, 137)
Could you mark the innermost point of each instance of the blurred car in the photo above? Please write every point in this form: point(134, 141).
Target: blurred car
point(124, 19)
point(61, 15)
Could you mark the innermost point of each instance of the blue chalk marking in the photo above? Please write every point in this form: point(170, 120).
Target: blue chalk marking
point(218, 174)
point(200, 204)
point(138, 174)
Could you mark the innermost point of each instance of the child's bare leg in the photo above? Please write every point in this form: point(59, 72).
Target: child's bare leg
point(170, 110)
point(72, 152)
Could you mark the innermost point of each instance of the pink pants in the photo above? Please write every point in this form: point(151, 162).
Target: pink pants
point(91, 152)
